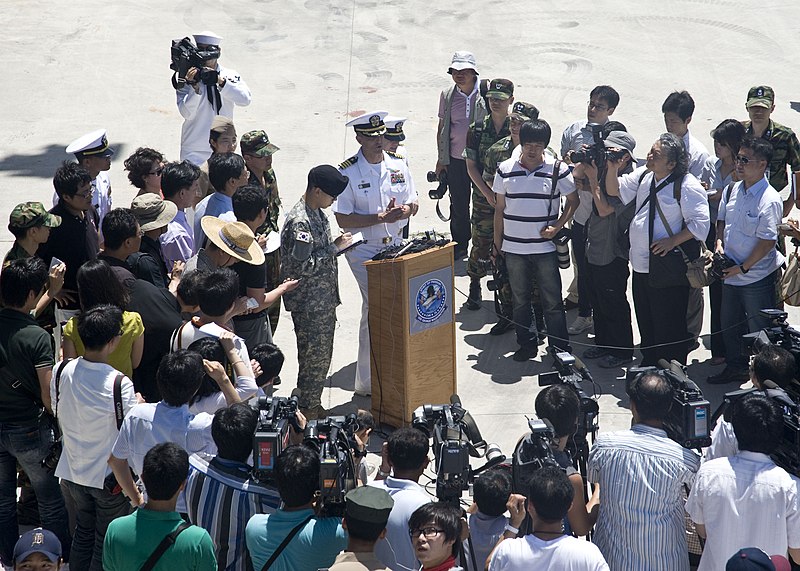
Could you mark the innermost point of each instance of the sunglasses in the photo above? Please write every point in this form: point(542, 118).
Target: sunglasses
point(742, 160)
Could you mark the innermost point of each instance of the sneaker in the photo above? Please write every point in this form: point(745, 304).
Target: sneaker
point(525, 354)
point(612, 362)
point(501, 326)
point(594, 353)
point(729, 375)
point(474, 299)
point(580, 325)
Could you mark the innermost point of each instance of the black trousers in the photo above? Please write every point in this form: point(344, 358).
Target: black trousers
point(661, 314)
point(460, 191)
point(607, 286)
point(715, 299)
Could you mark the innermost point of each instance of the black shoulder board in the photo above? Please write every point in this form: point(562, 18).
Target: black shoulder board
point(349, 162)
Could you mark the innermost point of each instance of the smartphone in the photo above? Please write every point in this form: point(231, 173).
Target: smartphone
point(55, 262)
point(252, 303)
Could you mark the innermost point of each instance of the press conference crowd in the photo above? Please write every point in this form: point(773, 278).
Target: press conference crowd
point(136, 342)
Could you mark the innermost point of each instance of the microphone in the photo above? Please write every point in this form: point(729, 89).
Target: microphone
point(583, 369)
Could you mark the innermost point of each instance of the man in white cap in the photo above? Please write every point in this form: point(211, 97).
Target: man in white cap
point(208, 92)
point(94, 154)
point(460, 105)
point(378, 201)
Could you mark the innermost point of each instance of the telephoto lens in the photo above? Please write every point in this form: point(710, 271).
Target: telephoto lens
point(562, 251)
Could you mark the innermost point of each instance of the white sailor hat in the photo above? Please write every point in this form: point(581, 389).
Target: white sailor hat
point(394, 128)
point(94, 144)
point(207, 38)
point(369, 124)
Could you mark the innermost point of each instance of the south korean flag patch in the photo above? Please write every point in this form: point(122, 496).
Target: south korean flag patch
point(302, 236)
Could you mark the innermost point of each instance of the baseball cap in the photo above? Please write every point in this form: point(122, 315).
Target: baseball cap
point(257, 143)
point(622, 140)
point(30, 214)
point(524, 111)
point(328, 179)
point(500, 89)
point(760, 96)
point(462, 60)
point(37, 540)
point(750, 559)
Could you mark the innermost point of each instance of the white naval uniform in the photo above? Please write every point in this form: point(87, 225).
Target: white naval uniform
point(369, 193)
point(198, 113)
point(101, 196)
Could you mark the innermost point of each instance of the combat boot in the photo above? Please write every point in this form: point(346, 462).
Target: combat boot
point(474, 299)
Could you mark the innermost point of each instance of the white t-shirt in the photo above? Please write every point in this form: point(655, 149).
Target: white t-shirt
point(565, 553)
point(190, 332)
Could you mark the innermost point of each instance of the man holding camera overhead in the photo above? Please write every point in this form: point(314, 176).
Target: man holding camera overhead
point(208, 92)
point(747, 229)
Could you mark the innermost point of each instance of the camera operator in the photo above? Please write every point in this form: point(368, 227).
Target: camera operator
point(227, 476)
point(404, 459)
point(460, 105)
point(486, 516)
point(204, 96)
point(665, 194)
point(560, 406)
point(747, 231)
point(642, 473)
point(771, 363)
point(746, 499)
point(315, 540)
point(606, 271)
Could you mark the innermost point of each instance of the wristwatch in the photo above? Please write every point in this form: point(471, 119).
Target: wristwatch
point(512, 529)
point(741, 267)
point(383, 474)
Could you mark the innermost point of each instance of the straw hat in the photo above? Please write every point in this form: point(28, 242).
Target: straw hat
point(234, 238)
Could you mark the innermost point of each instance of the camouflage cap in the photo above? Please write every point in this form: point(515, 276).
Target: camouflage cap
point(500, 89)
point(524, 111)
point(760, 96)
point(257, 143)
point(30, 214)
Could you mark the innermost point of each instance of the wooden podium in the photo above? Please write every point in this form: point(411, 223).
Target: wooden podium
point(412, 333)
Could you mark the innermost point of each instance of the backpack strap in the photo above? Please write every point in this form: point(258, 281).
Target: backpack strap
point(166, 543)
point(119, 414)
point(60, 369)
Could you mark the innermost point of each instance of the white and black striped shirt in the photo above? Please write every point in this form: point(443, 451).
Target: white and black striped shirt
point(529, 208)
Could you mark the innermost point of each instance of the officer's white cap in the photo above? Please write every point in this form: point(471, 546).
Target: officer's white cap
point(391, 121)
point(207, 38)
point(394, 128)
point(93, 144)
point(370, 124)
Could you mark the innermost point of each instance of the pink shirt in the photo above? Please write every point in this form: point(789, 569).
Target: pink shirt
point(459, 118)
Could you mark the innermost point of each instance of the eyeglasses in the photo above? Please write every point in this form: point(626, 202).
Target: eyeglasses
point(82, 195)
point(156, 172)
point(596, 106)
point(428, 532)
point(742, 160)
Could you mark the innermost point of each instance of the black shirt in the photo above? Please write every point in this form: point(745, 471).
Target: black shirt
point(74, 242)
point(121, 269)
point(148, 263)
point(253, 277)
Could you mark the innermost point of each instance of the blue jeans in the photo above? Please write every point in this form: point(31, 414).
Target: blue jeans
point(28, 444)
point(94, 510)
point(522, 270)
point(740, 307)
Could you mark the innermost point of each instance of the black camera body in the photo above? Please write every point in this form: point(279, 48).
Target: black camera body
point(438, 192)
point(689, 418)
point(185, 55)
point(572, 373)
point(333, 439)
point(455, 439)
point(595, 153)
point(783, 335)
point(532, 453)
point(720, 263)
point(276, 418)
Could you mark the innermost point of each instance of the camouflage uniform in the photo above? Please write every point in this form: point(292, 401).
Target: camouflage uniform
point(273, 259)
point(785, 150)
point(308, 254)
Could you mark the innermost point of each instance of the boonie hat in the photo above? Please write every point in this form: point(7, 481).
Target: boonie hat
point(462, 60)
point(234, 238)
point(37, 540)
point(328, 179)
point(152, 211)
point(30, 214)
point(500, 89)
point(94, 144)
point(524, 111)
point(394, 128)
point(369, 504)
point(369, 124)
point(257, 143)
point(760, 96)
point(622, 140)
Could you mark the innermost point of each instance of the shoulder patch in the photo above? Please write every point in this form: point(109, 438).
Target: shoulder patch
point(302, 236)
point(395, 155)
point(349, 162)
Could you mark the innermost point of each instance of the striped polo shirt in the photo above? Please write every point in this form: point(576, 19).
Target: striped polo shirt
point(221, 498)
point(529, 208)
point(641, 473)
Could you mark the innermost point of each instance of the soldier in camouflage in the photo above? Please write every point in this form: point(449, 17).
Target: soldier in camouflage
point(479, 139)
point(309, 254)
point(786, 148)
point(257, 152)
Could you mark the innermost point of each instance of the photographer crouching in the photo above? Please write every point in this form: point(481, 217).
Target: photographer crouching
point(204, 90)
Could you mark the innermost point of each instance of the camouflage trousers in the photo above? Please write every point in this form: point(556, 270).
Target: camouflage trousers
point(479, 264)
point(273, 260)
point(314, 331)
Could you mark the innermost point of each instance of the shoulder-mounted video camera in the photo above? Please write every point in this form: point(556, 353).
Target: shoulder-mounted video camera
point(276, 416)
point(185, 55)
point(781, 334)
point(572, 372)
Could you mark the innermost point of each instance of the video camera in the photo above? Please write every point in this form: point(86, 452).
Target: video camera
point(596, 153)
point(455, 439)
point(185, 55)
point(438, 192)
point(532, 452)
point(276, 416)
point(688, 420)
point(333, 439)
point(781, 334)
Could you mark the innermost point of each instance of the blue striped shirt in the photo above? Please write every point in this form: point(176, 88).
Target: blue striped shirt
point(641, 473)
point(221, 498)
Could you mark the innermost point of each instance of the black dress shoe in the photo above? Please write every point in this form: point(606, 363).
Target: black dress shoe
point(569, 304)
point(501, 326)
point(525, 354)
point(729, 375)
